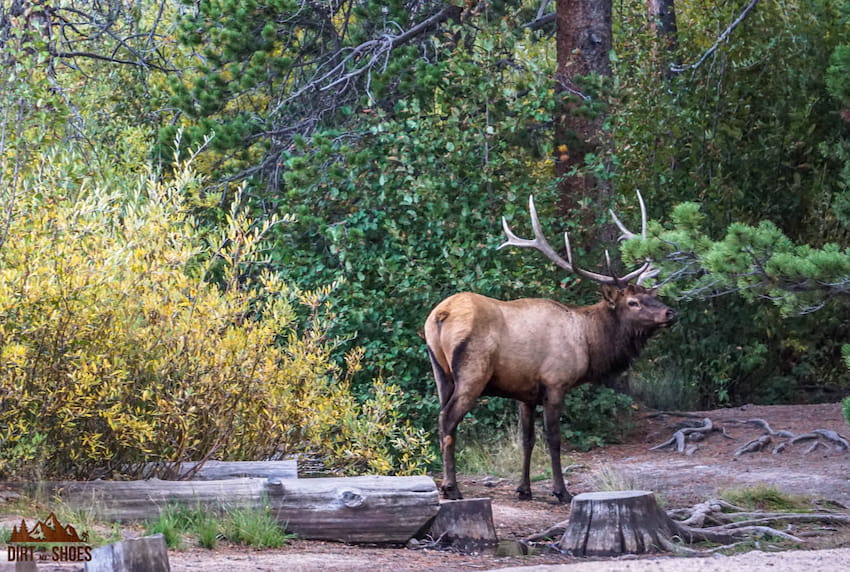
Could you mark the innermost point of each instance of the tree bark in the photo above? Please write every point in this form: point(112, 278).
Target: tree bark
point(583, 44)
point(145, 554)
point(217, 470)
point(465, 525)
point(662, 20)
point(622, 522)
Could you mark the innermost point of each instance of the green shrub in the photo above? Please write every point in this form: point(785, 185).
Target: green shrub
point(595, 415)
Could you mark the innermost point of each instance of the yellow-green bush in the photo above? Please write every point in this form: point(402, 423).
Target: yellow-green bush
point(115, 349)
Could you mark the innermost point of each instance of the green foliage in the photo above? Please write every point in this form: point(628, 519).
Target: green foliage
point(750, 136)
point(595, 415)
point(163, 340)
point(408, 212)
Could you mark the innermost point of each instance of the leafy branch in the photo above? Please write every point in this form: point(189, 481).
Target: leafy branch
point(755, 261)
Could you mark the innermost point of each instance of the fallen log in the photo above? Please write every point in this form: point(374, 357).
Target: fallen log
point(217, 470)
point(369, 509)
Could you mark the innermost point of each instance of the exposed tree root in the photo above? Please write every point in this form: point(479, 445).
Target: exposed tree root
point(820, 438)
point(690, 433)
point(555, 531)
point(730, 523)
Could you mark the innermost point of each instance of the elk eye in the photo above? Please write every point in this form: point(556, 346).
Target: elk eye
point(633, 303)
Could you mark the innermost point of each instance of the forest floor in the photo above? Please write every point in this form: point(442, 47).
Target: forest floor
point(822, 476)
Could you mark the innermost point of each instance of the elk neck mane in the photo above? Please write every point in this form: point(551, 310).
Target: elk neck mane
point(612, 344)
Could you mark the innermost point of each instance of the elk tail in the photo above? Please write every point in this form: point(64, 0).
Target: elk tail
point(439, 363)
point(444, 379)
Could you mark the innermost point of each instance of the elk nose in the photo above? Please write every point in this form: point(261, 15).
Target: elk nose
point(670, 315)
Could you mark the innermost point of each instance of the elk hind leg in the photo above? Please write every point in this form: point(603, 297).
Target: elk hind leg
point(526, 420)
point(451, 414)
point(552, 421)
point(447, 425)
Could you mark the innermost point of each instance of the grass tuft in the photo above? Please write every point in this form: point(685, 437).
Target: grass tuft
point(501, 456)
point(255, 527)
point(764, 497)
point(607, 478)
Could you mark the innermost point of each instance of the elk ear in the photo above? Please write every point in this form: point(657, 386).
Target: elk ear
point(611, 294)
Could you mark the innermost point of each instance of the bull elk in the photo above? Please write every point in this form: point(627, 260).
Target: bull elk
point(534, 350)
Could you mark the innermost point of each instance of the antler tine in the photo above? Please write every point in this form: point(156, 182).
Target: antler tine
point(645, 271)
point(627, 234)
point(540, 243)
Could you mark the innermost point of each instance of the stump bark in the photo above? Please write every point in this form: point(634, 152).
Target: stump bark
point(146, 554)
point(619, 522)
point(465, 525)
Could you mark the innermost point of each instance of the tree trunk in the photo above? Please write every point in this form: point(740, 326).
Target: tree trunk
point(353, 509)
point(662, 20)
point(622, 522)
point(583, 44)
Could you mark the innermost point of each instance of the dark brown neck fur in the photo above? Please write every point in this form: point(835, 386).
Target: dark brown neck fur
point(612, 345)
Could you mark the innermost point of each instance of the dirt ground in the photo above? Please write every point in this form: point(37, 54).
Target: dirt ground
point(678, 480)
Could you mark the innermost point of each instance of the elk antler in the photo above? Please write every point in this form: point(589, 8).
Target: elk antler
point(539, 243)
point(646, 271)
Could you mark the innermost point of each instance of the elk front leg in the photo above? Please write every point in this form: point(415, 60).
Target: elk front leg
point(552, 421)
point(526, 420)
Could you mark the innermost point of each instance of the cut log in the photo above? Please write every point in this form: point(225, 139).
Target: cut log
point(354, 509)
point(465, 525)
point(25, 566)
point(621, 522)
point(146, 554)
point(217, 470)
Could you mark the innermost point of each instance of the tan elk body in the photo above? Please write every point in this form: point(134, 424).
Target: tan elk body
point(534, 350)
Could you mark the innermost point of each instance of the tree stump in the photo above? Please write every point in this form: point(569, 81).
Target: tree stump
point(465, 525)
point(146, 554)
point(620, 522)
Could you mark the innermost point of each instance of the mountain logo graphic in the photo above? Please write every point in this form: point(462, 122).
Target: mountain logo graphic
point(47, 530)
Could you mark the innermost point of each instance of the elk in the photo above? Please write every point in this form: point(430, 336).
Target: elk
point(534, 350)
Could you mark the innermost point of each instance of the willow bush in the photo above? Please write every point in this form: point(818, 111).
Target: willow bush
point(117, 348)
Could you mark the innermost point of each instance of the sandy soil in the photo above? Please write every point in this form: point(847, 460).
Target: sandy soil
point(679, 480)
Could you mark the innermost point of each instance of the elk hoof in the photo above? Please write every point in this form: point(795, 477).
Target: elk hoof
point(523, 494)
point(451, 492)
point(562, 496)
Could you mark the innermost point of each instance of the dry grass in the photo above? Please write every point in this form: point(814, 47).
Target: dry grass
point(502, 457)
